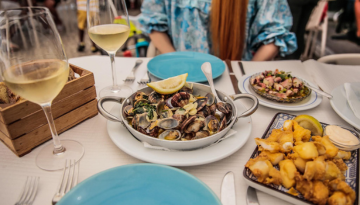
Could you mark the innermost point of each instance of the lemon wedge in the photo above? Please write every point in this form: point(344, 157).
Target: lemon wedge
point(310, 123)
point(170, 85)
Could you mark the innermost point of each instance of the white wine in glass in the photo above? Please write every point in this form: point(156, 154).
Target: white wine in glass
point(109, 37)
point(108, 27)
point(37, 71)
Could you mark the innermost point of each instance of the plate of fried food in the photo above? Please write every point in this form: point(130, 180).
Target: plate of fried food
point(280, 90)
point(301, 165)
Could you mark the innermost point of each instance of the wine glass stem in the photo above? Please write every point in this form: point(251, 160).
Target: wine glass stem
point(58, 148)
point(112, 59)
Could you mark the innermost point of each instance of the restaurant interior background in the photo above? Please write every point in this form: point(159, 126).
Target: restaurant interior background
point(339, 13)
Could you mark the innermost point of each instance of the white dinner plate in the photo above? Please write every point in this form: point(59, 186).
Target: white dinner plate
point(129, 144)
point(342, 108)
point(310, 102)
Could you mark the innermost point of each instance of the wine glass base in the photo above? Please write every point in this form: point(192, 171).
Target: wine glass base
point(117, 91)
point(49, 161)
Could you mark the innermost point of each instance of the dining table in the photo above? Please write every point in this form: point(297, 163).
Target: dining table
point(102, 154)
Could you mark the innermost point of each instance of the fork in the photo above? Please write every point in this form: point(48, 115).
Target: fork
point(131, 76)
point(69, 179)
point(145, 79)
point(29, 191)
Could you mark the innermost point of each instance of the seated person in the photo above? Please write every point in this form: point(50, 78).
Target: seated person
point(231, 29)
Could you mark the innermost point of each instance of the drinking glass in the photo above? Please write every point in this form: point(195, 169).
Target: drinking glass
point(108, 27)
point(37, 71)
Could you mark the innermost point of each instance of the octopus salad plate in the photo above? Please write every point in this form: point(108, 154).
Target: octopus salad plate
point(279, 90)
point(349, 178)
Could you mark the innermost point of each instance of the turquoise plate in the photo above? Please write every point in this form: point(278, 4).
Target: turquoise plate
point(177, 63)
point(135, 184)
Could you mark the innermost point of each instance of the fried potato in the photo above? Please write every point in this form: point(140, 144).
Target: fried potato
point(343, 155)
point(272, 147)
point(286, 140)
point(260, 167)
point(274, 177)
point(287, 171)
point(332, 172)
point(341, 186)
point(315, 170)
point(339, 198)
point(288, 125)
point(274, 136)
point(331, 149)
point(274, 158)
point(307, 150)
point(340, 164)
point(300, 133)
point(320, 193)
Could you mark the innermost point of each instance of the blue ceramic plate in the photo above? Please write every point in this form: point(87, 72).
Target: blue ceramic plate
point(177, 63)
point(135, 184)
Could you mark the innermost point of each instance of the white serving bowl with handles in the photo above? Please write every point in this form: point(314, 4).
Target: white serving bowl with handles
point(198, 89)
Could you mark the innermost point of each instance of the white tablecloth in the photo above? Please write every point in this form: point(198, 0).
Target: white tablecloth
point(102, 154)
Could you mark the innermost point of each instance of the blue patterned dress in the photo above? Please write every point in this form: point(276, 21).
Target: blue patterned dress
point(187, 23)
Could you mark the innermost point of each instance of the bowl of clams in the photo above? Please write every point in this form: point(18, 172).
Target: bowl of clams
point(178, 115)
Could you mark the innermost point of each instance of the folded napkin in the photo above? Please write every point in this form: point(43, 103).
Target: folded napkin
point(353, 98)
point(228, 134)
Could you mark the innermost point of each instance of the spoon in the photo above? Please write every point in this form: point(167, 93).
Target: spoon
point(222, 106)
point(319, 91)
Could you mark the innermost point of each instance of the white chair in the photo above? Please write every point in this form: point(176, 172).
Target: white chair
point(315, 25)
point(341, 59)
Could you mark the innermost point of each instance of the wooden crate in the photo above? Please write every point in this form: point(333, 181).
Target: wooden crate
point(23, 125)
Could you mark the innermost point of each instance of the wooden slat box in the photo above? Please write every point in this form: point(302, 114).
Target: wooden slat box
point(23, 125)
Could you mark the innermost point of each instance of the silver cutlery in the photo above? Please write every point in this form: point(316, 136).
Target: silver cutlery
point(241, 68)
point(145, 79)
point(251, 197)
point(29, 191)
point(131, 76)
point(317, 90)
point(234, 80)
point(68, 180)
point(228, 194)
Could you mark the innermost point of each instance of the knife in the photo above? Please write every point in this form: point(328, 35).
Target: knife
point(251, 197)
point(233, 78)
point(228, 189)
point(241, 68)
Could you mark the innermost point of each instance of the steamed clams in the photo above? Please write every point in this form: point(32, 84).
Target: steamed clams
point(180, 116)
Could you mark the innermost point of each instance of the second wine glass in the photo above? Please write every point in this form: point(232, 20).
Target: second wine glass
point(108, 27)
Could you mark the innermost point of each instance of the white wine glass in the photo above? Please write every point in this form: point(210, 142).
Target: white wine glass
point(37, 71)
point(108, 28)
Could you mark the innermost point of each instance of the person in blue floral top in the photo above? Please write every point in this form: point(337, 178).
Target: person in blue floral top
point(231, 29)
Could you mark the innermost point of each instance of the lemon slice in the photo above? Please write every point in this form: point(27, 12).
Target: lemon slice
point(170, 85)
point(310, 123)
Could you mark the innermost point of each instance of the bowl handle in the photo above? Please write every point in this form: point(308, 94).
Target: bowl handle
point(253, 107)
point(105, 113)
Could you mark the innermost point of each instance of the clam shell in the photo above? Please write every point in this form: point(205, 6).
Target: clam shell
point(142, 121)
point(168, 123)
point(201, 103)
point(174, 135)
point(160, 110)
point(212, 123)
point(201, 134)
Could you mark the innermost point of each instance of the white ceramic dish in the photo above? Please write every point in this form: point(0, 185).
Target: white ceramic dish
point(198, 89)
point(129, 144)
point(310, 102)
point(342, 108)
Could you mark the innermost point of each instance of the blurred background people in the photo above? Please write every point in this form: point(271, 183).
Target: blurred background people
point(301, 11)
point(81, 18)
point(233, 29)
